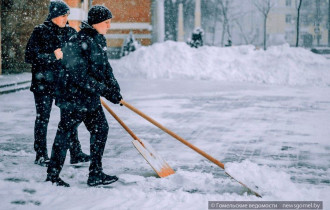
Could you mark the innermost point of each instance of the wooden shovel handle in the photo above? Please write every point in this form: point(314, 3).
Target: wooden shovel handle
point(215, 161)
point(120, 121)
point(209, 157)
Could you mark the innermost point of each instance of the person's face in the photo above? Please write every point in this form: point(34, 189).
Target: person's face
point(102, 27)
point(61, 20)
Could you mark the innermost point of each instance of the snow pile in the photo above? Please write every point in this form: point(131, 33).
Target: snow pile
point(262, 179)
point(175, 60)
point(271, 182)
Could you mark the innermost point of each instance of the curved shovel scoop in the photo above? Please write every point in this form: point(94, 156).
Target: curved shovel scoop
point(156, 162)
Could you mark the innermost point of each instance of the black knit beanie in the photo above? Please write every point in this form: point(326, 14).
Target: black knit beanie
point(98, 14)
point(57, 8)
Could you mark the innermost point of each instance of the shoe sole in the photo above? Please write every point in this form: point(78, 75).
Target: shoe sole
point(79, 162)
point(41, 164)
point(57, 184)
point(103, 184)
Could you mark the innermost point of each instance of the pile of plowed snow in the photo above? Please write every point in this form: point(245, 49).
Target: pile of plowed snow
point(176, 60)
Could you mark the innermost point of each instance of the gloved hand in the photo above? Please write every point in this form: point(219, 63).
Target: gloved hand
point(115, 97)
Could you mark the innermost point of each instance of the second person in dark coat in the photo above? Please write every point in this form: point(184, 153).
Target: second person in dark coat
point(44, 52)
point(87, 76)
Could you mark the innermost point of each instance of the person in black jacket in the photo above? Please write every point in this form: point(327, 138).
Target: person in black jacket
point(44, 52)
point(87, 76)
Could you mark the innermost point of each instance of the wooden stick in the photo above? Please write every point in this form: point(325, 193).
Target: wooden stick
point(157, 163)
point(121, 122)
point(209, 157)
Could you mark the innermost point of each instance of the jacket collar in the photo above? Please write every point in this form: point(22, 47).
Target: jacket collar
point(88, 29)
point(52, 25)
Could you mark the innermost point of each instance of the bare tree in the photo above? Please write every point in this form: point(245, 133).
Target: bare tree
point(264, 6)
point(249, 37)
point(249, 34)
point(228, 15)
point(221, 8)
point(224, 5)
point(318, 20)
point(0, 44)
point(215, 21)
point(329, 24)
point(298, 17)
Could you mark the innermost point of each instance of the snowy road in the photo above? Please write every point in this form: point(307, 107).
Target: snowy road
point(280, 134)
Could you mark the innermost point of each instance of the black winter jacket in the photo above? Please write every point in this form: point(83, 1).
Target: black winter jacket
point(45, 39)
point(88, 74)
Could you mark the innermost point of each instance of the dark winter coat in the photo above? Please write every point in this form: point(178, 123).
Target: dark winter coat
point(88, 74)
point(45, 39)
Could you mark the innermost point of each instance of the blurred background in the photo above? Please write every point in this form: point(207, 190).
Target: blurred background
point(262, 23)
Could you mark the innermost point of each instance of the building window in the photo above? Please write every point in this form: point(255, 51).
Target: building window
point(304, 20)
point(289, 36)
point(288, 3)
point(318, 36)
point(288, 18)
point(306, 3)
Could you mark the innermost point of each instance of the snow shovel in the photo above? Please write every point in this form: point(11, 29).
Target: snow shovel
point(156, 162)
point(209, 157)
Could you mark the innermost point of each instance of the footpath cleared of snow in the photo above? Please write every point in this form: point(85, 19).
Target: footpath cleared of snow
point(277, 65)
point(273, 136)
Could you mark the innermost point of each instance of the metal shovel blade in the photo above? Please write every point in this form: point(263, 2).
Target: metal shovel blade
point(156, 161)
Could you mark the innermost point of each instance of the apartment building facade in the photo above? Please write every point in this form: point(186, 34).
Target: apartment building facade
point(282, 22)
point(241, 22)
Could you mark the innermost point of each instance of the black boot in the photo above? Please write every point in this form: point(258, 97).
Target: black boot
point(100, 178)
point(42, 160)
point(56, 180)
point(79, 158)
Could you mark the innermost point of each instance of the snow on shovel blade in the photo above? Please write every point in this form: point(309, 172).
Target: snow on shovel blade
point(156, 162)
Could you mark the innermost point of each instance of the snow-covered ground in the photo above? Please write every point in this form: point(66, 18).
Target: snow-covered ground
point(264, 114)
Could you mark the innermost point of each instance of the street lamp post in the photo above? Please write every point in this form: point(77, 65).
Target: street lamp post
point(180, 23)
point(197, 13)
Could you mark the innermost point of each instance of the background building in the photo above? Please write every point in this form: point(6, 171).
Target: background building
point(313, 23)
point(78, 12)
point(143, 18)
point(128, 16)
point(241, 22)
point(157, 20)
point(19, 17)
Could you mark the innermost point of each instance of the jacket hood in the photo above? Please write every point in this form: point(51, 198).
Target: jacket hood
point(88, 29)
point(86, 26)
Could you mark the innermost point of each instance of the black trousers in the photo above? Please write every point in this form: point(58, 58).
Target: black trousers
point(98, 128)
point(43, 108)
